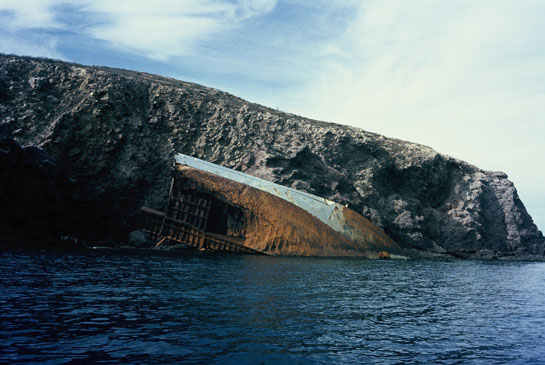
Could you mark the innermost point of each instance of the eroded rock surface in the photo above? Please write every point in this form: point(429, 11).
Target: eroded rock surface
point(118, 131)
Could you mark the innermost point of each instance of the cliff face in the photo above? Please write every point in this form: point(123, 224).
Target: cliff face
point(115, 133)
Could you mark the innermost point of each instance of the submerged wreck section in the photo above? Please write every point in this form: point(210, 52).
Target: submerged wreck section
point(210, 210)
point(177, 227)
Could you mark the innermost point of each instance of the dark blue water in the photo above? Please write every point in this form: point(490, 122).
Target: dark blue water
point(145, 306)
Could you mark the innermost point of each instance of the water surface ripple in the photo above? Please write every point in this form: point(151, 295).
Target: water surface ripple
point(143, 306)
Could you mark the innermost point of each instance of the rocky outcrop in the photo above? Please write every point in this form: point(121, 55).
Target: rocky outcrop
point(115, 132)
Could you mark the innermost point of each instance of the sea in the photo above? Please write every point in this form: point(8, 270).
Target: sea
point(145, 306)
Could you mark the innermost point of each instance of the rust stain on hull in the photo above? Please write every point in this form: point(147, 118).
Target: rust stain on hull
point(367, 236)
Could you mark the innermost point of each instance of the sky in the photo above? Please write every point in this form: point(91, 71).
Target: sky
point(466, 78)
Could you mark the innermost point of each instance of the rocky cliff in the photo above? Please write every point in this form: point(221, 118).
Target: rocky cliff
point(114, 132)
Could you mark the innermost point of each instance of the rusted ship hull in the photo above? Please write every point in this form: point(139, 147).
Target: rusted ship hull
point(213, 212)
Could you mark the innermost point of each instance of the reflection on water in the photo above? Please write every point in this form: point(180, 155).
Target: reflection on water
point(147, 306)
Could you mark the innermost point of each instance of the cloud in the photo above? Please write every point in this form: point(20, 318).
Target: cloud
point(27, 14)
point(440, 73)
point(22, 22)
point(463, 77)
point(159, 30)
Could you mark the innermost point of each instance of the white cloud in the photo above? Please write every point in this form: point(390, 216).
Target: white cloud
point(435, 73)
point(27, 14)
point(464, 77)
point(18, 16)
point(158, 29)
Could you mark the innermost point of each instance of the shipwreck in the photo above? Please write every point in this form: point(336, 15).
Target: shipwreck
point(214, 208)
